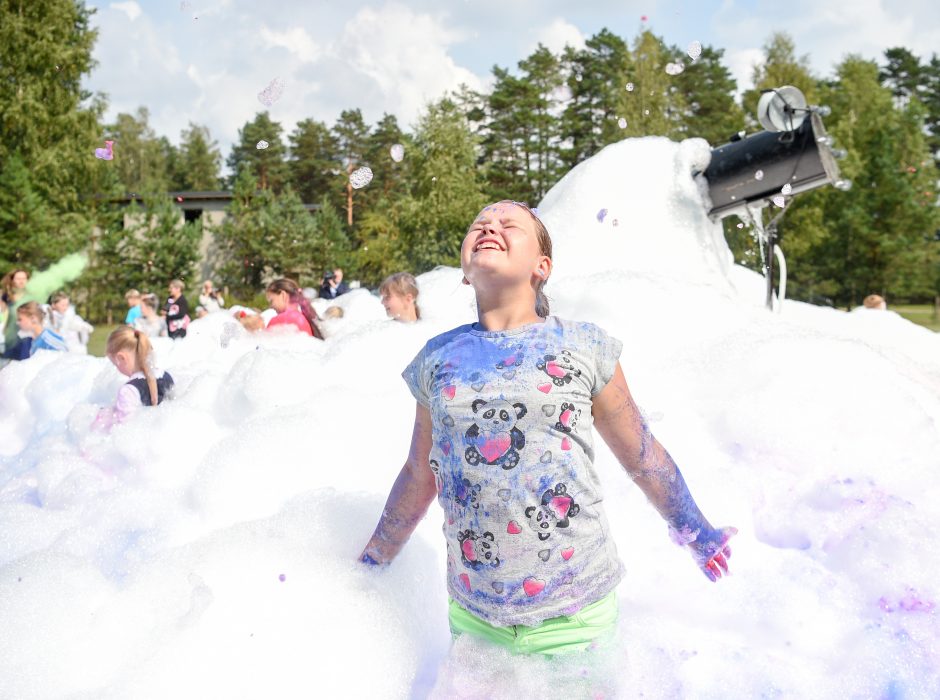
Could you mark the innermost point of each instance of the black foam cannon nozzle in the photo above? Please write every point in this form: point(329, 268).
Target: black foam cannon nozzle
point(754, 169)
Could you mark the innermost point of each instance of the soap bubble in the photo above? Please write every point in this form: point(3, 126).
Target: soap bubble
point(578, 77)
point(759, 175)
point(272, 93)
point(740, 225)
point(360, 177)
point(622, 123)
point(646, 112)
point(695, 50)
point(630, 87)
point(674, 68)
point(397, 152)
point(779, 200)
point(262, 144)
point(786, 189)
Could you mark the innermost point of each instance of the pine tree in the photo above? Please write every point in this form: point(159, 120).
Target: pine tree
point(159, 246)
point(141, 159)
point(198, 160)
point(266, 164)
point(541, 72)
point(708, 90)
point(314, 161)
point(655, 107)
point(352, 136)
point(596, 77)
point(448, 190)
point(27, 221)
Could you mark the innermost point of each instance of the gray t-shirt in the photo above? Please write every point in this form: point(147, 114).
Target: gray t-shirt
point(512, 454)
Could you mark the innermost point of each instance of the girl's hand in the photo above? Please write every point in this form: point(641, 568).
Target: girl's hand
point(711, 551)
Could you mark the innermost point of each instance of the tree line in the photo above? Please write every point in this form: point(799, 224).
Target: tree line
point(537, 121)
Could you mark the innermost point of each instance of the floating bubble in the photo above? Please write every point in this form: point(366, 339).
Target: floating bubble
point(397, 152)
point(759, 175)
point(630, 87)
point(272, 93)
point(262, 144)
point(360, 177)
point(578, 77)
point(106, 153)
point(179, 199)
point(674, 68)
point(779, 200)
point(600, 216)
point(786, 189)
point(622, 123)
point(740, 225)
point(646, 112)
point(695, 50)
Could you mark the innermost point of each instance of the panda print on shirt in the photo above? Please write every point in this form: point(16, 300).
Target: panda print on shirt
point(494, 438)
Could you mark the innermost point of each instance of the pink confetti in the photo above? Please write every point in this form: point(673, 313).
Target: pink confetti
point(272, 93)
point(643, 18)
point(106, 153)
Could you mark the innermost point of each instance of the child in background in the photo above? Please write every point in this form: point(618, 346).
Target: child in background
point(292, 307)
point(177, 311)
point(13, 285)
point(502, 436)
point(30, 318)
point(150, 323)
point(399, 294)
point(64, 321)
point(132, 297)
point(131, 353)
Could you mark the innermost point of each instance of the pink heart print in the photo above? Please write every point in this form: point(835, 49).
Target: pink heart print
point(468, 551)
point(465, 580)
point(533, 586)
point(566, 553)
point(513, 528)
point(565, 443)
point(496, 446)
point(545, 388)
point(554, 370)
point(448, 392)
point(560, 505)
point(565, 418)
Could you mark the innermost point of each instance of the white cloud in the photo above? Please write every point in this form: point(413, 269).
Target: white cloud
point(559, 34)
point(295, 40)
point(741, 63)
point(130, 8)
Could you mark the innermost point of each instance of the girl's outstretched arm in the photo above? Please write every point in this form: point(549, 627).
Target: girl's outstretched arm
point(619, 422)
point(411, 495)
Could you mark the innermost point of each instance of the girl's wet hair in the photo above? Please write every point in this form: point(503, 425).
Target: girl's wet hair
point(545, 248)
point(125, 338)
point(296, 296)
point(402, 283)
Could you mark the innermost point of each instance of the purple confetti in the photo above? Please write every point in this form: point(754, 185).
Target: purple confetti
point(272, 93)
point(600, 216)
point(106, 153)
point(282, 578)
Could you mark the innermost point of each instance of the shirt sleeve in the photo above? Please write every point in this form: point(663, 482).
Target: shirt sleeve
point(606, 355)
point(128, 401)
point(415, 377)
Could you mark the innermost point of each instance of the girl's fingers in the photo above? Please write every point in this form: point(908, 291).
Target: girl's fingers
point(721, 561)
point(713, 568)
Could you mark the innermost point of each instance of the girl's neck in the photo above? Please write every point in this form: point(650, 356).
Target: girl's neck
point(505, 310)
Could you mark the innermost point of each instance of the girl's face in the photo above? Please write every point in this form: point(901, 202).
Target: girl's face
point(20, 279)
point(397, 305)
point(278, 300)
point(61, 305)
point(502, 242)
point(124, 361)
point(28, 324)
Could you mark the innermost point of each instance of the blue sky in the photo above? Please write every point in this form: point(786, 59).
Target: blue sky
point(395, 56)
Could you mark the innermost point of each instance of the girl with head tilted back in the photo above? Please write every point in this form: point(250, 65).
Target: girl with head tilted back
point(503, 438)
point(131, 353)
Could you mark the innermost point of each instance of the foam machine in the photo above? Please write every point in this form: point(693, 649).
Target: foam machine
point(793, 154)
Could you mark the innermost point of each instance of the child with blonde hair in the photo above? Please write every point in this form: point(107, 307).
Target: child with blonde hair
point(31, 319)
point(399, 294)
point(63, 319)
point(502, 437)
point(131, 353)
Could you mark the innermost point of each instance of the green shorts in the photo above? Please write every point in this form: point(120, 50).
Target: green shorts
point(558, 635)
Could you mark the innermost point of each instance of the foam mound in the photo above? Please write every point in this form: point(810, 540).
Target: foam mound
point(206, 548)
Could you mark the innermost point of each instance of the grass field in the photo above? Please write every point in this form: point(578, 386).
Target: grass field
point(99, 339)
point(921, 314)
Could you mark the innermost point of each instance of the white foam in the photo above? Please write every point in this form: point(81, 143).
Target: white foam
point(146, 563)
